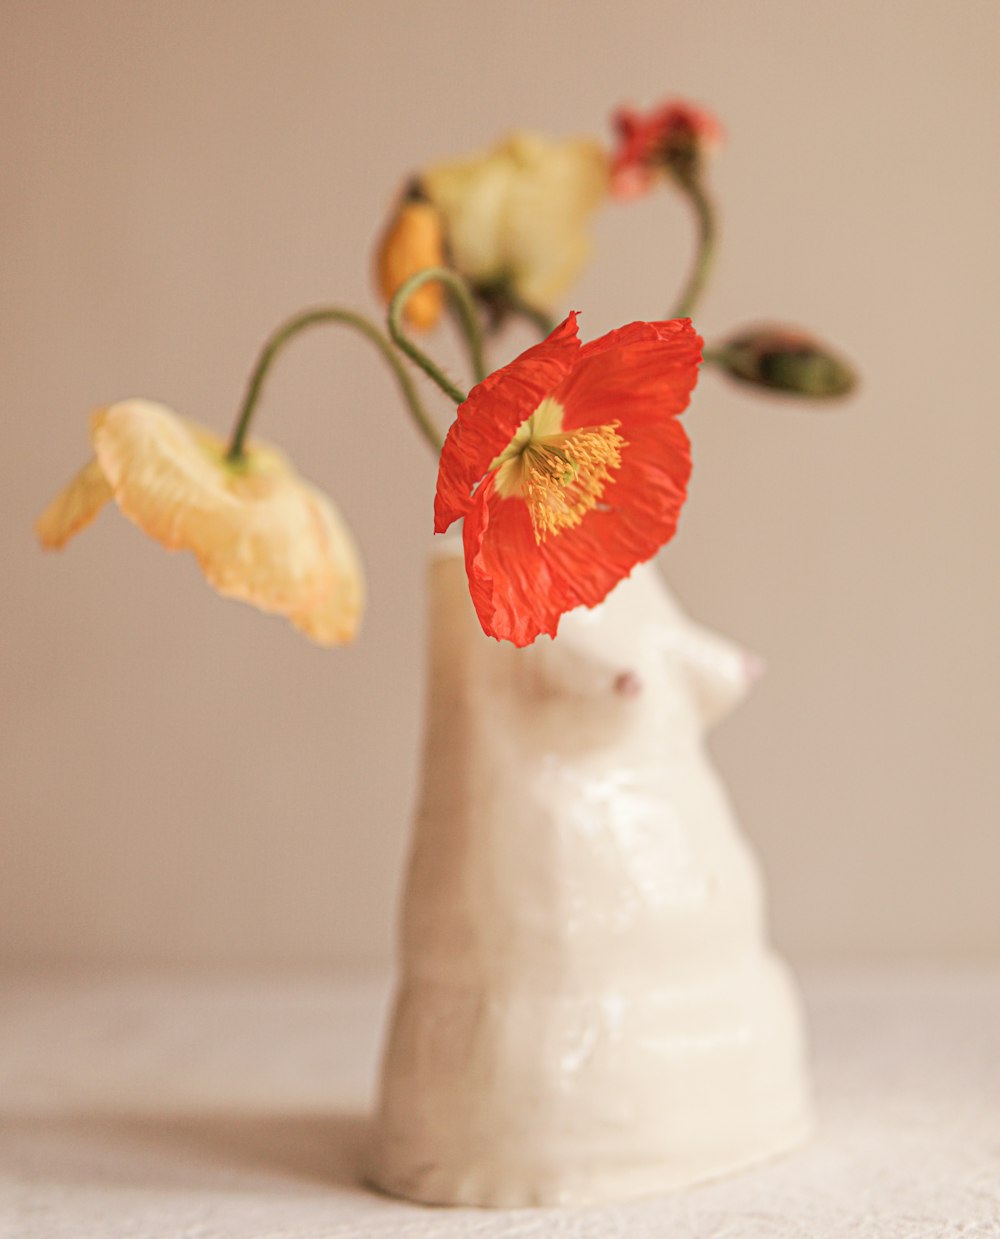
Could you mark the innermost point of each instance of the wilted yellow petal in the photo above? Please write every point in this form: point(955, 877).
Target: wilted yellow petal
point(258, 531)
point(519, 212)
point(412, 242)
point(74, 507)
point(335, 616)
point(472, 197)
point(558, 187)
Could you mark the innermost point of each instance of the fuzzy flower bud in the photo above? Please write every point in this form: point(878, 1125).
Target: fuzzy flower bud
point(413, 240)
point(785, 359)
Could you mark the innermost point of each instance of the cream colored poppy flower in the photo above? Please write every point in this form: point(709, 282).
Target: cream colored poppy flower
point(519, 212)
point(258, 531)
point(516, 214)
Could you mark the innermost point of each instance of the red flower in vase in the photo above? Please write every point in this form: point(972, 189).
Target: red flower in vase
point(674, 136)
point(570, 467)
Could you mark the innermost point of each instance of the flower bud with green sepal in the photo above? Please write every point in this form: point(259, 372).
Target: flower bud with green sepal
point(784, 359)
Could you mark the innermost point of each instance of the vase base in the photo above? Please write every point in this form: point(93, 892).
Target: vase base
point(588, 1007)
point(495, 1186)
point(510, 1096)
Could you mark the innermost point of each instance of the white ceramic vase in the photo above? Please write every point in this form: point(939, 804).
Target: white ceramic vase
point(588, 1007)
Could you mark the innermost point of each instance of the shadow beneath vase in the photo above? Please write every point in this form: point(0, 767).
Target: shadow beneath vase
point(252, 1153)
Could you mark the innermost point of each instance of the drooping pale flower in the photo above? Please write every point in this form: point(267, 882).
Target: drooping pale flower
point(673, 137)
point(569, 466)
point(514, 217)
point(259, 532)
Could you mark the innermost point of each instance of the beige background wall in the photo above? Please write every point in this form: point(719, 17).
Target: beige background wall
point(184, 780)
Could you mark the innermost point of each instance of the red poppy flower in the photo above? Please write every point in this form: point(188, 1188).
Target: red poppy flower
point(674, 135)
point(570, 467)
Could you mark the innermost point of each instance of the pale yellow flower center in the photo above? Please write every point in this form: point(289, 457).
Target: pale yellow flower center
point(561, 475)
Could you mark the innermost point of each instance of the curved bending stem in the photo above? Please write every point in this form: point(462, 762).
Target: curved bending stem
point(312, 318)
point(707, 242)
point(468, 321)
point(473, 343)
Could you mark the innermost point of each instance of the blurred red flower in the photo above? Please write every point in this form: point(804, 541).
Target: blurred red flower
point(570, 467)
point(674, 136)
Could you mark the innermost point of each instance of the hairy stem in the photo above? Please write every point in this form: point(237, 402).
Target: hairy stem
point(468, 321)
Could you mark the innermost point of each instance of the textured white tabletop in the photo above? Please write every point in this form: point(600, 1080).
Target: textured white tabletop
point(233, 1108)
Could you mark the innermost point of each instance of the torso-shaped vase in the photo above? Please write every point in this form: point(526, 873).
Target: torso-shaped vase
point(588, 1006)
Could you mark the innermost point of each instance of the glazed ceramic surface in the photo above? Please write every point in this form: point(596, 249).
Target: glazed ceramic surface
point(588, 1007)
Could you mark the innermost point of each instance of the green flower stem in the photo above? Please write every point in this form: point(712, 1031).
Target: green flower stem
point(468, 320)
point(463, 311)
point(707, 244)
point(313, 318)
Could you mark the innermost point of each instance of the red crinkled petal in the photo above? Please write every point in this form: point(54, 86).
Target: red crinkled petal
point(641, 372)
point(637, 515)
point(642, 376)
point(515, 590)
point(521, 589)
point(488, 418)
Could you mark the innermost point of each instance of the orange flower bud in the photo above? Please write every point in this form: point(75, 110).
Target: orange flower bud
point(412, 242)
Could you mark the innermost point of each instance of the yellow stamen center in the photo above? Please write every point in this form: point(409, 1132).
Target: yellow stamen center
point(561, 475)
